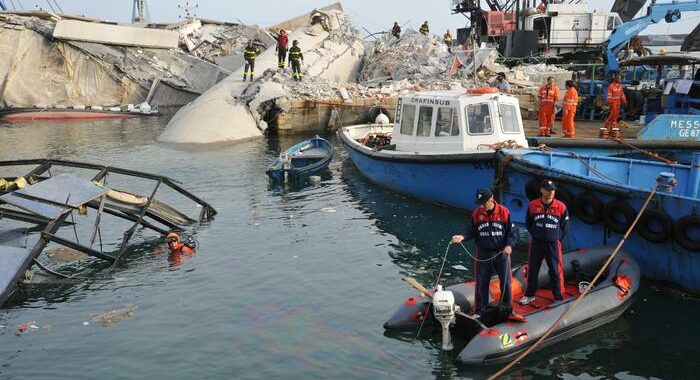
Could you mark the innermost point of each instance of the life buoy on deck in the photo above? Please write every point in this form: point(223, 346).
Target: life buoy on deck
point(681, 229)
point(618, 215)
point(482, 90)
point(655, 226)
point(588, 208)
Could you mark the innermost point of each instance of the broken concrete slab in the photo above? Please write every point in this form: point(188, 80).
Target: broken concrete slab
point(334, 53)
point(74, 30)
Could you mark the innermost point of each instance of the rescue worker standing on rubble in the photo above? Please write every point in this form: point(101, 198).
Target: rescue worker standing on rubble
point(502, 84)
point(282, 42)
point(494, 235)
point(396, 30)
point(569, 110)
point(424, 29)
point(447, 38)
point(546, 221)
point(548, 97)
point(296, 58)
point(615, 97)
point(249, 54)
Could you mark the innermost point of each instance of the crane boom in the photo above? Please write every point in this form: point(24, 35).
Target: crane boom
point(671, 12)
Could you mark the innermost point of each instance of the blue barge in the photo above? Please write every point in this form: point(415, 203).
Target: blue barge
point(604, 194)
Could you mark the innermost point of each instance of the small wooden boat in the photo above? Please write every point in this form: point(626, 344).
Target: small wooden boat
point(301, 161)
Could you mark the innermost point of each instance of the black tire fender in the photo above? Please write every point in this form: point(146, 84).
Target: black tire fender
point(655, 218)
point(588, 208)
point(532, 188)
point(616, 210)
point(681, 228)
point(567, 198)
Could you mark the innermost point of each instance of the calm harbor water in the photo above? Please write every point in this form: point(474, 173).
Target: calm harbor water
point(287, 283)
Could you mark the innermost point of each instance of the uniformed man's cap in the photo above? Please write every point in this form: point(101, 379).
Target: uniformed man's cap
point(548, 184)
point(483, 195)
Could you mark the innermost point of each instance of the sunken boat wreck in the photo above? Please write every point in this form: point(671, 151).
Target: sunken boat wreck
point(80, 206)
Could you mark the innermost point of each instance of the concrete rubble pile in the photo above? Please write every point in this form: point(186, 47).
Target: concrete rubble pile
point(235, 110)
point(387, 57)
point(220, 43)
point(47, 69)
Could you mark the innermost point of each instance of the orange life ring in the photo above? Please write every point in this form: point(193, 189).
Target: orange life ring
point(482, 90)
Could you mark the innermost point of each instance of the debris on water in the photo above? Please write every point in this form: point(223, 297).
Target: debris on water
point(86, 323)
point(295, 256)
point(328, 209)
point(114, 316)
point(315, 179)
point(23, 328)
point(460, 267)
point(62, 255)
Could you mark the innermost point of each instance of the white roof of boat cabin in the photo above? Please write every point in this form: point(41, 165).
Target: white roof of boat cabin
point(438, 94)
point(453, 95)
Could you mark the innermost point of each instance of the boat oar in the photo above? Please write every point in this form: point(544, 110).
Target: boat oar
point(412, 281)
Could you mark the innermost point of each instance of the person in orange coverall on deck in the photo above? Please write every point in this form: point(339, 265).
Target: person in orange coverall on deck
point(569, 110)
point(616, 96)
point(548, 98)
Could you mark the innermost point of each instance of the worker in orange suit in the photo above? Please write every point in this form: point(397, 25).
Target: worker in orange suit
point(616, 96)
point(569, 110)
point(548, 98)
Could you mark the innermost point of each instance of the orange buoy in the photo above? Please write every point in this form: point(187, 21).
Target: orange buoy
point(482, 90)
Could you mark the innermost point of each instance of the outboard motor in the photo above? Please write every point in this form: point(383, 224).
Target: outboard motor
point(286, 162)
point(444, 310)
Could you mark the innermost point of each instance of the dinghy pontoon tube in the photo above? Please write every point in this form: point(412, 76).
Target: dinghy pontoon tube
point(501, 341)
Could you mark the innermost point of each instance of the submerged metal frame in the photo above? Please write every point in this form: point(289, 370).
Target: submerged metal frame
point(50, 227)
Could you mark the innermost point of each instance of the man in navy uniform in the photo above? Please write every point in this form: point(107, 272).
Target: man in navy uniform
point(494, 236)
point(546, 220)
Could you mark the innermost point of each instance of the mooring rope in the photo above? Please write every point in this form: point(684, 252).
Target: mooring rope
point(580, 298)
point(646, 152)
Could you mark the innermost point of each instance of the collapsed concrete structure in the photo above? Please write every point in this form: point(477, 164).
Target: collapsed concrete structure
point(67, 60)
point(220, 43)
point(236, 110)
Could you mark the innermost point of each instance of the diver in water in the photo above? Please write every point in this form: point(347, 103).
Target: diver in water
point(179, 249)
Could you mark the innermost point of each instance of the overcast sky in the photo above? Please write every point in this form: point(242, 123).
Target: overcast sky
point(374, 15)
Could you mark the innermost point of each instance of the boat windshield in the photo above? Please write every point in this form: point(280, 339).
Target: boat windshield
point(447, 123)
point(408, 116)
point(425, 121)
point(479, 119)
point(509, 118)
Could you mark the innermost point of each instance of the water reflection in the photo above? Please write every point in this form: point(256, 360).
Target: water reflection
point(423, 230)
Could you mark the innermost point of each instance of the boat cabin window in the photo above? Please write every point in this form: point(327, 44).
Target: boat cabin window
point(447, 123)
point(408, 116)
point(425, 121)
point(509, 118)
point(611, 23)
point(479, 119)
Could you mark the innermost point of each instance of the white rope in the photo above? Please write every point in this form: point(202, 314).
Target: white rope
point(477, 259)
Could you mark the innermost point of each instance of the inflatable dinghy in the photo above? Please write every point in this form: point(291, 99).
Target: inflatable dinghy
point(497, 338)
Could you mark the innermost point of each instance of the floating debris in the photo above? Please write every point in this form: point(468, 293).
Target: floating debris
point(24, 328)
point(114, 316)
point(63, 255)
point(328, 209)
